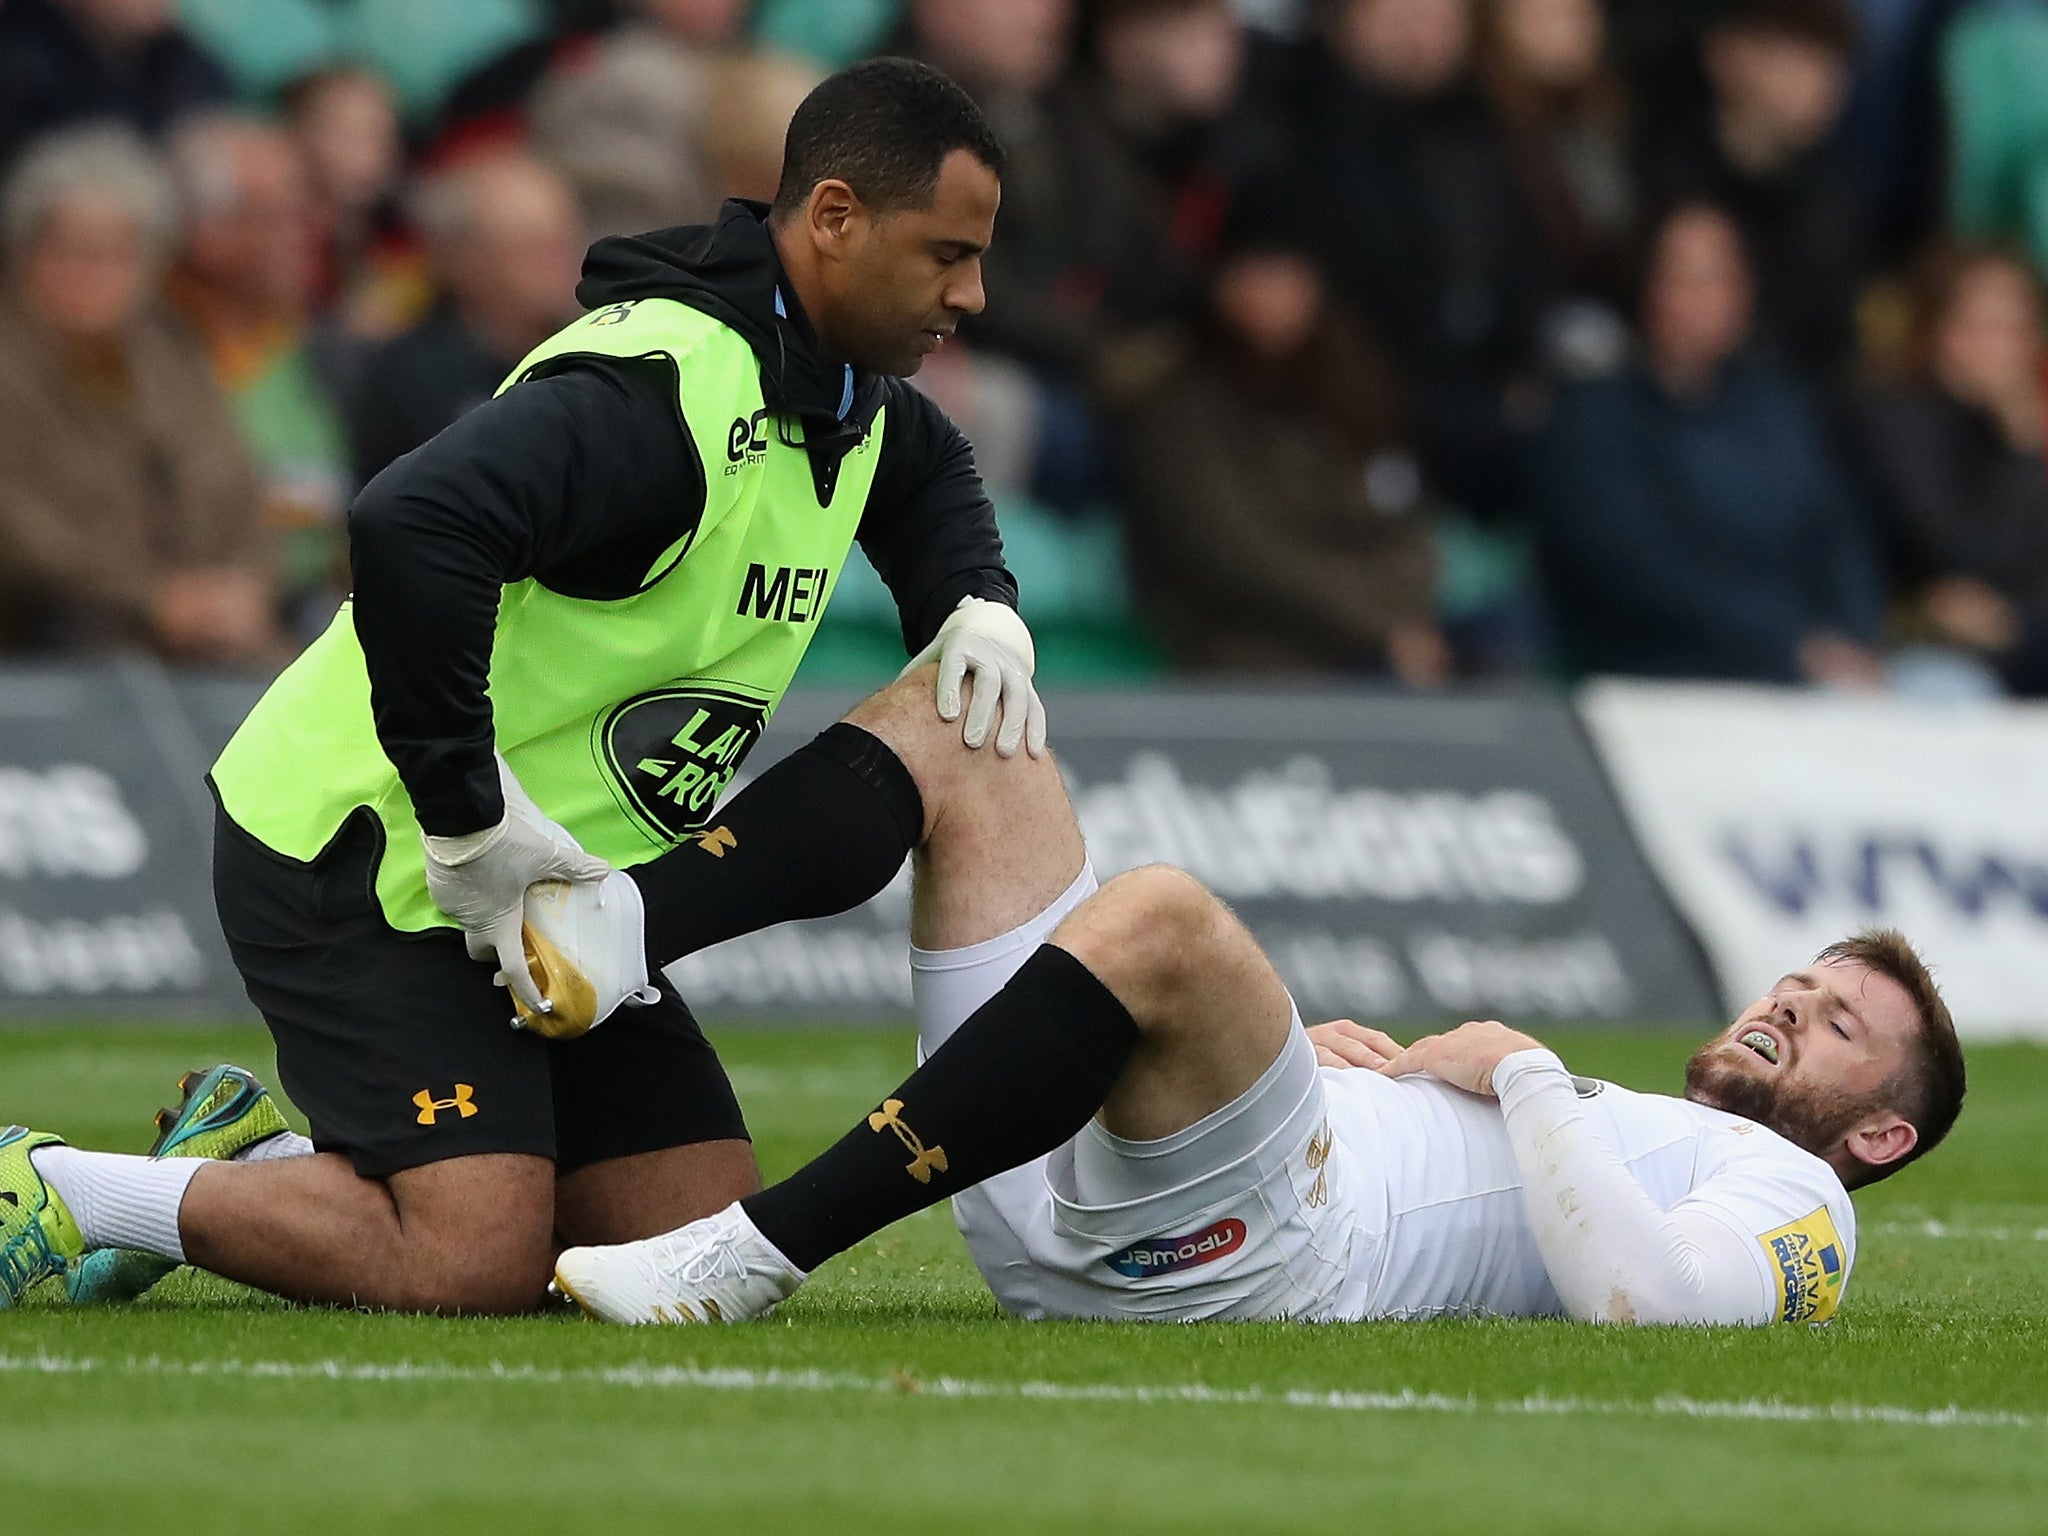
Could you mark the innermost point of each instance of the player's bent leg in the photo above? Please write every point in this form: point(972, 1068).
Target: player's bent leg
point(999, 862)
point(1183, 986)
point(1001, 842)
point(472, 1234)
point(1212, 1013)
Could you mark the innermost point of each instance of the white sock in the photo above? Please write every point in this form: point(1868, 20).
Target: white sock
point(120, 1201)
point(270, 1148)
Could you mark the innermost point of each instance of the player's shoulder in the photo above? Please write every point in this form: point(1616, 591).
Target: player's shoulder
point(1724, 1141)
point(1781, 1184)
point(1790, 1205)
point(1660, 1115)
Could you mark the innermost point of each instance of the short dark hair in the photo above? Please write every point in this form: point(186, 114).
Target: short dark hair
point(1829, 23)
point(1928, 1091)
point(884, 127)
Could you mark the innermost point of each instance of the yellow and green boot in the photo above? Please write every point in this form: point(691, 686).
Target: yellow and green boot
point(221, 1111)
point(38, 1237)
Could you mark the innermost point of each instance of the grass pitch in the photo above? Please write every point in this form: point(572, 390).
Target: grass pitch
point(891, 1397)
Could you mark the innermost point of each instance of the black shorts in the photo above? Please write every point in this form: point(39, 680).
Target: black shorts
point(400, 1051)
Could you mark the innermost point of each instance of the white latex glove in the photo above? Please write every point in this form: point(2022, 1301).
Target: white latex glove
point(988, 641)
point(480, 880)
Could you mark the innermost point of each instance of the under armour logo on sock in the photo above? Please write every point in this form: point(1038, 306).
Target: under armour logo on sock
point(923, 1159)
point(464, 1103)
point(716, 841)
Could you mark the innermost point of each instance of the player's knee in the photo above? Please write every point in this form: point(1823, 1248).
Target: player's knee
point(952, 777)
point(1145, 935)
point(903, 714)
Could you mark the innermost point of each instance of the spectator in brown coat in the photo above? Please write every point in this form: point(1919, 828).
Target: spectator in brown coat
point(128, 506)
point(1278, 521)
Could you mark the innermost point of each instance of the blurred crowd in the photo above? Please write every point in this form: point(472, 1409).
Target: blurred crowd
point(1418, 339)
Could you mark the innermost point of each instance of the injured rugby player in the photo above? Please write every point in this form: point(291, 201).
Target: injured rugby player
point(1120, 1099)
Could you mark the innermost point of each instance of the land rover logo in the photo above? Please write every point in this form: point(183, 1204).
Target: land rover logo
point(673, 751)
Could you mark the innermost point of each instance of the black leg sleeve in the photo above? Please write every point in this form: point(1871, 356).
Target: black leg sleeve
point(819, 833)
point(1017, 1079)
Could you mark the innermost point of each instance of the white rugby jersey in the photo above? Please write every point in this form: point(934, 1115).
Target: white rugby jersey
point(1574, 1196)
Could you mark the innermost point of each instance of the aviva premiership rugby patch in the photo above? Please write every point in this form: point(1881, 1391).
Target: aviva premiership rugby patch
point(1809, 1263)
point(1164, 1255)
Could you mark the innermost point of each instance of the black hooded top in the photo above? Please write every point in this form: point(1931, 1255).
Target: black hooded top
point(581, 477)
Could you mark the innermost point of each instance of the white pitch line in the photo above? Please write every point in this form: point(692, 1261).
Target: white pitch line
point(644, 1377)
point(1941, 1229)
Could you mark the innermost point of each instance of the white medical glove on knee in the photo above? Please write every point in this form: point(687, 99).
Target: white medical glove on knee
point(480, 880)
point(987, 641)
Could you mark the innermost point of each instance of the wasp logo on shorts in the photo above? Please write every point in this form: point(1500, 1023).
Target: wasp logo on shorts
point(464, 1103)
point(672, 752)
point(923, 1160)
point(1318, 1154)
point(1164, 1255)
point(1809, 1263)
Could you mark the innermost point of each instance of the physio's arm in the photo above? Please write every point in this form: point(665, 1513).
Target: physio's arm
point(580, 479)
point(929, 529)
point(1612, 1254)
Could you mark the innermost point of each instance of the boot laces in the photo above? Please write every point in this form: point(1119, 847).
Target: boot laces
point(692, 1266)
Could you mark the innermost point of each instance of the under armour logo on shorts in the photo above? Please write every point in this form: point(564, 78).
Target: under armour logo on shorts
point(464, 1103)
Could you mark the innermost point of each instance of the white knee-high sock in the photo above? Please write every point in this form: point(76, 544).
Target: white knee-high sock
point(270, 1148)
point(120, 1201)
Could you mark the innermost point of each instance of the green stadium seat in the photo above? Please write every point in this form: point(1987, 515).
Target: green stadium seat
point(1992, 66)
point(834, 32)
point(266, 43)
point(423, 48)
point(1076, 596)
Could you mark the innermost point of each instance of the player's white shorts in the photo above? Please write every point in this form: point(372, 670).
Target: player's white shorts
point(1250, 1213)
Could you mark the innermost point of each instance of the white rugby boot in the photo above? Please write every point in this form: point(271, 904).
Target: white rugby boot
point(586, 945)
point(586, 942)
point(717, 1270)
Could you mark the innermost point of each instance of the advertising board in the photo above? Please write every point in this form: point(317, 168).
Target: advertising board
point(1781, 821)
point(1400, 858)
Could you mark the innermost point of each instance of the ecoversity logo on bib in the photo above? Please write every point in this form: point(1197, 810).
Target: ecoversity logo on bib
point(1164, 1255)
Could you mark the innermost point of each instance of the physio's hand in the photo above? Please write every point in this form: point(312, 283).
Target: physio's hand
point(1464, 1057)
point(1348, 1043)
point(988, 642)
point(480, 880)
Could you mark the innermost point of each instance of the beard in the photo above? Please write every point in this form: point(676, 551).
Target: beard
point(1810, 1117)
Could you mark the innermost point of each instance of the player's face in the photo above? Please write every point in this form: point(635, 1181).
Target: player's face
point(912, 273)
point(1813, 1057)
